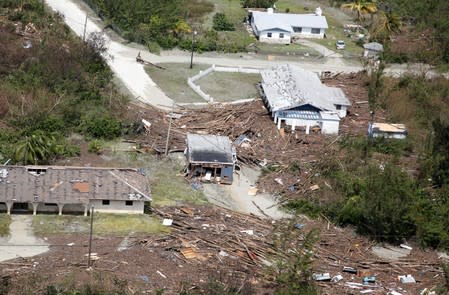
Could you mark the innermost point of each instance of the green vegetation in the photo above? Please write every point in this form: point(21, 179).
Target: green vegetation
point(258, 3)
point(221, 86)
point(292, 271)
point(425, 25)
point(56, 87)
point(391, 190)
point(103, 224)
point(5, 221)
point(168, 189)
point(221, 23)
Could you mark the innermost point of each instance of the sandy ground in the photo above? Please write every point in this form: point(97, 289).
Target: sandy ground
point(21, 242)
point(235, 196)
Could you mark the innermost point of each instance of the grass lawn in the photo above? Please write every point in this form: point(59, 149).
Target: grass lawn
point(290, 49)
point(173, 81)
point(222, 86)
point(168, 188)
point(103, 224)
point(5, 221)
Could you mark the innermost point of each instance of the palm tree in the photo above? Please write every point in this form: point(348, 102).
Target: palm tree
point(34, 149)
point(361, 7)
point(387, 24)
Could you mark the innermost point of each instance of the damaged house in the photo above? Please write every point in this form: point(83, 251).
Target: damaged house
point(297, 98)
point(210, 157)
point(57, 189)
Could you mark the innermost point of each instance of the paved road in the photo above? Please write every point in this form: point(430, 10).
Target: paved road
point(21, 242)
point(137, 81)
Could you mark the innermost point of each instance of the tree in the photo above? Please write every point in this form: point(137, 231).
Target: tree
point(361, 7)
point(221, 23)
point(293, 268)
point(386, 24)
point(37, 148)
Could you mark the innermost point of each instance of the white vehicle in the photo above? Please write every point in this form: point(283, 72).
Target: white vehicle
point(340, 44)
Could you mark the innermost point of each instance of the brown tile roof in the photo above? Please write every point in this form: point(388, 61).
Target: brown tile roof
point(58, 184)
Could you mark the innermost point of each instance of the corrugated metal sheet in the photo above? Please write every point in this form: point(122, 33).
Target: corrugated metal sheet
point(285, 21)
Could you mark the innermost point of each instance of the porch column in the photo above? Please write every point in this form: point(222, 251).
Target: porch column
point(307, 129)
point(279, 123)
point(34, 204)
point(60, 206)
point(86, 209)
point(9, 207)
point(293, 126)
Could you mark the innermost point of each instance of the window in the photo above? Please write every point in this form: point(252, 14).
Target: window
point(281, 35)
point(128, 203)
point(105, 202)
point(316, 31)
point(297, 29)
point(338, 107)
point(269, 35)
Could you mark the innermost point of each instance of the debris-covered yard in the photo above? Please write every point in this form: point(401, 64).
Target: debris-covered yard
point(206, 244)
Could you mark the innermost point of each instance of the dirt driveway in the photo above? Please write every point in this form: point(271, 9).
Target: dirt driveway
point(236, 197)
point(21, 242)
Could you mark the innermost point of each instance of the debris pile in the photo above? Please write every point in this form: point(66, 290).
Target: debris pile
point(216, 235)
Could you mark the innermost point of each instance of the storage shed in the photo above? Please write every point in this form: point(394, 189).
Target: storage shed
point(210, 157)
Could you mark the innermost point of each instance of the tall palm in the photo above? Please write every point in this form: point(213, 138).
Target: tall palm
point(387, 24)
point(361, 7)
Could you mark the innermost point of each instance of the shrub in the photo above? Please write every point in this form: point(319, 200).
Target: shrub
point(154, 47)
point(95, 146)
point(221, 23)
point(101, 126)
point(257, 3)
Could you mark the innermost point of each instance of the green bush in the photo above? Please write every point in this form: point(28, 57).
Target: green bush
point(154, 47)
point(257, 3)
point(95, 146)
point(101, 126)
point(221, 23)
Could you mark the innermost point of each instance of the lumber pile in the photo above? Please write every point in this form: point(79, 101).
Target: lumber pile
point(217, 236)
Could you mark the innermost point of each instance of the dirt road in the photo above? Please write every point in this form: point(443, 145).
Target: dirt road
point(21, 242)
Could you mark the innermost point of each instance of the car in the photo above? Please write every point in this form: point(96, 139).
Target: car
point(340, 44)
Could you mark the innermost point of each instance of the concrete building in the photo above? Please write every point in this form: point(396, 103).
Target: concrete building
point(282, 28)
point(297, 98)
point(60, 189)
point(211, 158)
point(387, 130)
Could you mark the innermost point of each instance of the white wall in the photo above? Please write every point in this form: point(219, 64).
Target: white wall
point(118, 207)
point(342, 112)
point(307, 33)
point(263, 37)
point(330, 127)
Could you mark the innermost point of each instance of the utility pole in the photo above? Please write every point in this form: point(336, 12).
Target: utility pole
point(85, 25)
point(169, 128)
point(193, 47)
point(90, 234)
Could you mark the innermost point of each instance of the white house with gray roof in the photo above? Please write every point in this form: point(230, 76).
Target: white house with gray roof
point(297, 98)
point(281, 28)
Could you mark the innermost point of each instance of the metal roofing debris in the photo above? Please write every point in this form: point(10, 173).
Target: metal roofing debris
point(288, 86)
point(389, 128)
point(210, 149)
point(285, 21)
point(374, 46)
point(61, 184)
